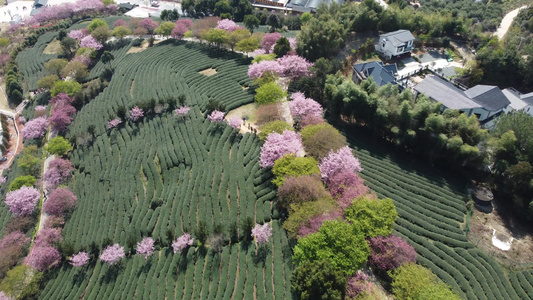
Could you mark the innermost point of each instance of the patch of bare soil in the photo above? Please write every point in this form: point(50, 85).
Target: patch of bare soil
point(484, 226)
point(54, 47)
point(143, 46)
point(208, 72)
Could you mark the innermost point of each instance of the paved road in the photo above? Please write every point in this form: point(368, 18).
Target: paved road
point(506, 22)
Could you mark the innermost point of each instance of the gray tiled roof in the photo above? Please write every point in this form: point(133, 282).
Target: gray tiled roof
point(380, 74)
point(398, 37)
point(445, 92)
point(488, 96)
point(527, 98)
point(38, 3)
point(514, 98)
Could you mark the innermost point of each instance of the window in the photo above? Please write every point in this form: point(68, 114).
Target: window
point(383, 45)
point(400, 49)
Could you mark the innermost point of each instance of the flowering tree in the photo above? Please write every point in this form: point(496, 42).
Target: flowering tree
point(35, 128)
point(300, 106)
point(294, 66)
point(60, 99)
point(292, 42)
point(346, 186)
point(47, 237)
point(120, 22)
point(22, 119)
point(182, 242)
point(216, 116)
point(269, 40)
point(112, 254)
point(181, 111)
point(114, 123)
point(136, 113)
point(79, 259)
point(148, 24)
point(358, 284)
point(14, 238)
point(22, 201)
point(227, 25)
point(42, 258)
point(58, 171)
point(313, 224)
point(277, 145)
point(145, 247)
point(179, 31)
point(3, 179)
point(59, 202)
point(271, 67)
point(40, 108)
point(84, 59)
point(335, 162)
point(3, 296)
point(77, 34)
point(261, 233)
point(311, 120)
point(235, 122)
point(390, 252)
point(90, 42)
point(62, 115)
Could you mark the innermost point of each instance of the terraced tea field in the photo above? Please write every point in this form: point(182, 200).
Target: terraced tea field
point(431, 210)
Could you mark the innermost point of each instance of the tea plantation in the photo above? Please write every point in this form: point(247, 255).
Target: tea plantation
point(431, 210)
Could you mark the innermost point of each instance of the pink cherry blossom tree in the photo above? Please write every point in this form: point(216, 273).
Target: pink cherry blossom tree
point(227, 25)
point(114, 123)
point(357, 284)
point(311, 120)
point(261, 233)
point(22, 202)
point(181, 111)
point(186, 22)
point(335, 162)
point(235, 122)
point(61, 99)
point(42, 258)
point(257, 70)
point(145, 247)
point(35, 128)
point(148, 24)
point(3, 296)
point(3, 179)
point(313, 224)
point(112, 254)
point(292, 42)
point(77, 34)
point(345, 186)
point(179, 31)
point(59, 202)
point(79, 259)
point(182, 242)
point(270, 40)
point(90, 42)
point(57, 173)
point(277, 145)
point(136, 114)
point(390, 252)
point(216, 116)
point(62, 114)
point(14, 238)
point(294, 66)
point(120, 22)
point(300, 106)
point(47, 237)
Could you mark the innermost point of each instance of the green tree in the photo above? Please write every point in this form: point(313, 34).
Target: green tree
point(371, 216)
point(247, 45)
point(261, 57)
point(21, 181)
point(241, 8)
point(217, 36)
point(300, 213)
point(54, 66)
point(236, 36)
point(290, 165)
point(165, 28)
point(305, 17)
point(68, 87)
point(30, 163)
point(318, 280)
point(251, 22)
point(320, 139)
point(101, 34)
point(320, 39)
point(223, 8)
point(121, 31)
point(282, 47)
point(95, 23)
point(274, 126)
point(59, 146)
point(21, 282)
point(338, 242)
point(107, 57)
point(47, 82)
point(269, 92)
point(4, 42)
point(68, 45)
point(76, 70)
point(274, 22)
point(412, 281)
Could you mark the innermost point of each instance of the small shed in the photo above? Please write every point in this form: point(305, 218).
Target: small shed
point(483, 199)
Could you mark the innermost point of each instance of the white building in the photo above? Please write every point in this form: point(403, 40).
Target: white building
point(395, 43)
point(486, 102)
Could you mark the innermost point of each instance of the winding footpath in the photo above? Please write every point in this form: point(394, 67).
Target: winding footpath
point(507, 21)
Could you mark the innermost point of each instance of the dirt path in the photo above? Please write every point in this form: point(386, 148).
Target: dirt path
point(506, 22)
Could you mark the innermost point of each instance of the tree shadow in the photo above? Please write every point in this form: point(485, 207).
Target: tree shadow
point(145, 268)
point(79, 277)
point(111, 274)
point(261, 255)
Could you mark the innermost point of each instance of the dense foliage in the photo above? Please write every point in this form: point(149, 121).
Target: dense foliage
point(318, 280)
